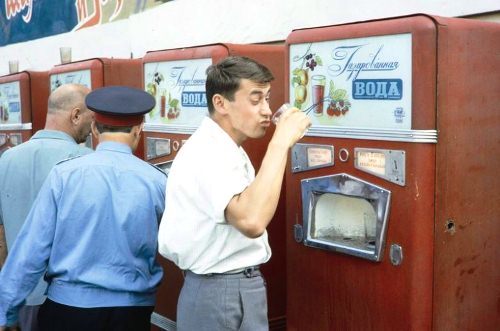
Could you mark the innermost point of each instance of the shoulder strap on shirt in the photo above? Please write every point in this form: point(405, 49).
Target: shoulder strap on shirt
point(69, 158)
point(158, 168)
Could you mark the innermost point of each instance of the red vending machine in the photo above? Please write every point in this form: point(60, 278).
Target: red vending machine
point(23, 106)
point(176, 78)
point(99, 72)
point(393, 194)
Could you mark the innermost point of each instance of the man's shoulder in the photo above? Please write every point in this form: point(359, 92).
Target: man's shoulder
point(17, 150)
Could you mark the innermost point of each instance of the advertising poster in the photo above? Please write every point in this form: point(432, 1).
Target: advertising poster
point(361, 83)
point(179, 90)
point(24, 20)
point(10, 103)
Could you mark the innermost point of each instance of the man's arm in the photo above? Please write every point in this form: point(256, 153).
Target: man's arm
point(252, 210)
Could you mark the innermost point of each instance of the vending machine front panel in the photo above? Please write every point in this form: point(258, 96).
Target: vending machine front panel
point(372, 99)
point(359, 82)
point(82, 77)
point(10, 103)
point(23, 106)
point(179, 89)
point(400, 121)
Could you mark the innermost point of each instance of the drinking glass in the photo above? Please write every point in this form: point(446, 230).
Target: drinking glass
point(65, 53)
point(277, 114)
point(13, 66)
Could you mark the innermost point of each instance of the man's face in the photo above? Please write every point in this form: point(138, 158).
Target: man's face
point(84, 127)
point(249, 113)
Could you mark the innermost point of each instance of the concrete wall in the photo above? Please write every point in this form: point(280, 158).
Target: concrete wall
point(182, 23)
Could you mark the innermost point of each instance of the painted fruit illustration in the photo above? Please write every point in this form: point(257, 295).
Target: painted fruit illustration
point(303, 76)
point(300, 93)
point(339, 104)
point(300, 76)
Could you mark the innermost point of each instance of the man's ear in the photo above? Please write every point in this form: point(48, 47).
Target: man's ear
point(95, 132)
point(137, 129)
point(75, 115)
point(219, 103)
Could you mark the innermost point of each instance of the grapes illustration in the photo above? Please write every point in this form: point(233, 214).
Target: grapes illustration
point(311, 63)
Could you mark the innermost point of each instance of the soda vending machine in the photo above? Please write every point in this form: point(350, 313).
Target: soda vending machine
point(393, 194)
point(23, 106)
point(176, 78)
point(99, 72)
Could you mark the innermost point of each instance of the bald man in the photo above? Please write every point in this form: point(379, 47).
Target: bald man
point(24, 168)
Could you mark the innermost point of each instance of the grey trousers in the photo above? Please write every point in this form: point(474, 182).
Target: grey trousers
point(222, 302)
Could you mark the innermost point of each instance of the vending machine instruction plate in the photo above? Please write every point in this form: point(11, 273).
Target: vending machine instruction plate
point(311, 156)
point(384, 163)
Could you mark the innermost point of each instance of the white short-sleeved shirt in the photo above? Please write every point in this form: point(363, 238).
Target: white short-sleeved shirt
point(209, 170)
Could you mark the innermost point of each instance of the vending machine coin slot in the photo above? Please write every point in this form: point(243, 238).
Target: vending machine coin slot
point(157, 147)
point(344, 155)
point(384, 163)
point(176, 145)
point(311, 156)
point(345, 214)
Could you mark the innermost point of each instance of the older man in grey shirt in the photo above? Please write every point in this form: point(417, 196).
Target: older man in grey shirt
point(23, 170)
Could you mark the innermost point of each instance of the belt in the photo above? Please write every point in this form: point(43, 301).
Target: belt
point(248, 272)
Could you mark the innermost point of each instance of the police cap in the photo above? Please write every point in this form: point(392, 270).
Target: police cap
point(119, 105)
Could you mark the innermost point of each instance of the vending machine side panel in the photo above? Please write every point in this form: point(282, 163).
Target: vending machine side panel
point(125, 72)
point(39, 98)
point(466, 295)
point(122, 72)
point(272, 56)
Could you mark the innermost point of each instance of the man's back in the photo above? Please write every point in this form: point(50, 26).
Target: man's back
point(23, 169)
point(110, 203)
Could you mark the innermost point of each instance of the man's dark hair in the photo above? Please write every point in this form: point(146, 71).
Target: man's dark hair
point(224, 77)
point(109, 128)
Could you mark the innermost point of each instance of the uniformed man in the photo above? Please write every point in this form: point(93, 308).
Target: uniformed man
point(94, 227)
